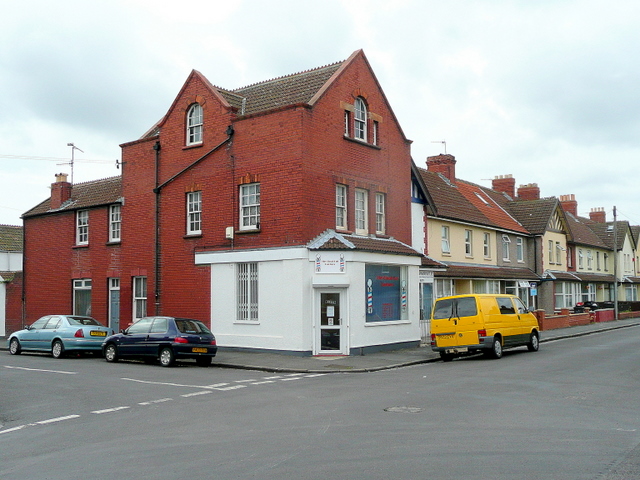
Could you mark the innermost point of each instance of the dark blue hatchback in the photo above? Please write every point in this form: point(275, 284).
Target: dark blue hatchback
point(165, 339)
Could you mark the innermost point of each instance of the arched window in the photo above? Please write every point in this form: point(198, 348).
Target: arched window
point(194, 124)
point(360, 120)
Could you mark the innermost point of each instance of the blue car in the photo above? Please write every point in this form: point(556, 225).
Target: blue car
point(165, 339)
point(60, 334)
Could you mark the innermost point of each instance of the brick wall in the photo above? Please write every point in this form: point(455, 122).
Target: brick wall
point(13, 304)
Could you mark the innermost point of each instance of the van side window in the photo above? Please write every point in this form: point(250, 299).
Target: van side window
point(443, 310)
point(520, 306)
point(505, 305)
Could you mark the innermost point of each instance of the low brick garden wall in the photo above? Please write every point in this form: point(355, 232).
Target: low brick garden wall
point(567, 319)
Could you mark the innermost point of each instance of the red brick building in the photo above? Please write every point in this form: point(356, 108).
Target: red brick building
point(279, 213)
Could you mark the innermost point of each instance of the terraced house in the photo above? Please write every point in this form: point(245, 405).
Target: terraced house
point(10, 278)
point(278, 213)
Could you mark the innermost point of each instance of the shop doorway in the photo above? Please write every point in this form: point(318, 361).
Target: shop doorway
point(331, 324)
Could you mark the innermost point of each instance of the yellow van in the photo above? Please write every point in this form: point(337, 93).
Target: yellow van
point(466, 324)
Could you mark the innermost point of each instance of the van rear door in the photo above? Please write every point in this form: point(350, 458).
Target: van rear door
point(455, 322)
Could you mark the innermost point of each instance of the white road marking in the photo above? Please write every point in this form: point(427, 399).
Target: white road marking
point(164, 383)
point(109, 410)
point(216, 385)
point(41, 370)
point(205, 392)
point(263, 382)
point(271, 378)
point(289, 379)
point(232, 387)
point(12, 429)
point(162, 400)
point(245, 381)
point(54, 420)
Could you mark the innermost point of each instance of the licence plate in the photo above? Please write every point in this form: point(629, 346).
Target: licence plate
point(97, 333)
point(199, 350)
point(457, 350)
point(446, 337)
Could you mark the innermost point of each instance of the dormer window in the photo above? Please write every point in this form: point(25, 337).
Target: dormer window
point(194, 124)
point(360, 120)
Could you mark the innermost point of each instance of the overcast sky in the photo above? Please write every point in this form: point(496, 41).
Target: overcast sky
point(545, 90)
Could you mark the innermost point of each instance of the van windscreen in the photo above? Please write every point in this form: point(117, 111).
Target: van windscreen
point(458, 307)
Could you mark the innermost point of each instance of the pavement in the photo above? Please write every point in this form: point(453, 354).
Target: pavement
point(278, 362)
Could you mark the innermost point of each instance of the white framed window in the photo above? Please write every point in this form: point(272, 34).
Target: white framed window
point(347, 122)
point(446, 244)
point(486, 245)
point(506, 241)
point(559, 251)
point(194, 213)
point(194, 124)
point(468, 243)
point(520, 249)
point(250, 206)
point(360, 120)
point(605, 259)
point(247, 292)
point(139, 297)
point(381, 220)
point(551, 254)
point(115, 223)
point(82, 227)
point(444, 287)
point(580, 258)
point(598, 261)
point(361, 209)
point(82, 296)
point(589, 260)
point(341, 207)
point(376, 128)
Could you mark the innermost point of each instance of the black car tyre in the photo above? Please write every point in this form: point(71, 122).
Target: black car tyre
point(57, 349)
point(446, 357)
point(534, 342)
point(496, 349)
point(203, 361)
point(14, 347)
point(166, 357)
point(111, 353)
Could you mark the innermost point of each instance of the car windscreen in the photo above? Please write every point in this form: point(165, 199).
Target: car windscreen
point(83, 321)
point(185, 325)
point(455, 307)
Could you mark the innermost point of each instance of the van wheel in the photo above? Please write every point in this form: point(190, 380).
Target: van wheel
point(496, 349)
point(534, 342)
point(446, 357)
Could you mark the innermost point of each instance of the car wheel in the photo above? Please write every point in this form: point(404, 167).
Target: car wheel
point(166, 357)
point(14, 347)
point(534, 342)
point(203, 361)
point(496, 348)
point(446, 357)
point(57, 349)
point(111, 353)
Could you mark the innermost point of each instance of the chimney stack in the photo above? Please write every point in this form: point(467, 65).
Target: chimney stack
point(569, 204)
point(60, 191)
point(530, 191)
point(598, 215)
point(505, 184)
point(444, 164)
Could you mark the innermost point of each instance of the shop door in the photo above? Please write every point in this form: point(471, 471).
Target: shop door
point(331, 333)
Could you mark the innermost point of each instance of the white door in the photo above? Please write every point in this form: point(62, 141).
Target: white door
point(331, 324)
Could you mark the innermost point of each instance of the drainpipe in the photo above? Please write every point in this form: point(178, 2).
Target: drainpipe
point(156, 190)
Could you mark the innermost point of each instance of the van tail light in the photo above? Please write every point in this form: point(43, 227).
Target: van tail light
point(433, 339)
point(482, 333)
point(181, 340)
point(79, 333)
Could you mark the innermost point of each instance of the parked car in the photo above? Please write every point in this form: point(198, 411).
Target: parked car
point(163, 338)
point(60, 334)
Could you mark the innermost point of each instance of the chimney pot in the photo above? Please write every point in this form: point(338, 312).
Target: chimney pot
point(444, 164)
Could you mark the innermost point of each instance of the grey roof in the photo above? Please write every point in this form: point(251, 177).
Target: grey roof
point(11, 238)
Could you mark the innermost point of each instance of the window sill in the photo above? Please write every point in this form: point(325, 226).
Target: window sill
point(248, 230)
point(86, 245)
point(246, 322)
point(192, 235)
point(382, 323)
point(362, 142)
point(344, 231)
point(114, 242)
point(193, 145)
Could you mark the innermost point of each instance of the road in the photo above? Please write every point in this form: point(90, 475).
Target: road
point(569, 411)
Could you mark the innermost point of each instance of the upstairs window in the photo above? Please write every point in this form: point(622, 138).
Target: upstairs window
point(341, 207)
point(520, 249)
point(486, 245)
point(505, 248)
point(468, 243)
point(362, 227)
point(381, 220)
point(115, 223)
point(360, 120)
point(250, 206)
point(194, 124)
point(194, 213)
point(82, 227)
point(446, 247)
